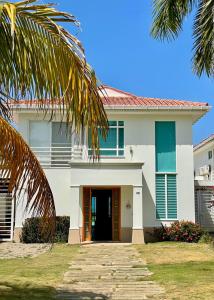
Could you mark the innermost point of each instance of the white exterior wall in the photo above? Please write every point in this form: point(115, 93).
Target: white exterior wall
point(201, 159)
point(126, 207)
point(139, 148)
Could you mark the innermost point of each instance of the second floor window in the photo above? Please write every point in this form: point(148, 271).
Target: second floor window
point(210, 154)
point(113, 145)
point(51, 142)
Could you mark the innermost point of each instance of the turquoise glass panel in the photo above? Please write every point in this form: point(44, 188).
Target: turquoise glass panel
point(121, 123)
point(121, 152)
point(108, 152)
point(160, 197)
point(112, 123)
point(171, 197)
point(165, 145)
point(121, 138)
point(111, 139)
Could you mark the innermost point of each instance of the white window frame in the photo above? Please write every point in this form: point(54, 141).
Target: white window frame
point(117, 149)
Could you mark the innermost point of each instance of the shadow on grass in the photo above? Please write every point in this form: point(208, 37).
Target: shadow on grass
point(20, 291)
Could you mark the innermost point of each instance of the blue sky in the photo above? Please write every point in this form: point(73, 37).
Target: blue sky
point(117, 41)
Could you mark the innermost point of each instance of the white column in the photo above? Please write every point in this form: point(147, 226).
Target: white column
point(74, 232)
point(137, 228)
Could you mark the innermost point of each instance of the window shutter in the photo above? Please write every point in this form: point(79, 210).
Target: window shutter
point(171, 196)
point(160, 196)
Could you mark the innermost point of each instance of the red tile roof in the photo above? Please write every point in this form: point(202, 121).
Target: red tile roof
point(114, 97)
point(120, 98)
point(143, 101)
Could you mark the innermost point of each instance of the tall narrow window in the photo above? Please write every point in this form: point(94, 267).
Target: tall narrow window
point(166, 186)
point(165, 146)
point(113, 145)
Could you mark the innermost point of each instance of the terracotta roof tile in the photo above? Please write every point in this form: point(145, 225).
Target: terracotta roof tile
point(142, 101)
point(115, 97)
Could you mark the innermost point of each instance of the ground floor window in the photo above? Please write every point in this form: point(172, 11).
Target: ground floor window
point(166, 196)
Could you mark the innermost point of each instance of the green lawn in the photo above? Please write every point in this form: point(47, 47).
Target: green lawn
point(35, 278)
point(185, 270)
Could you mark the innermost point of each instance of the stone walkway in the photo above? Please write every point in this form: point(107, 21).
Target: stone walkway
point(108, 271)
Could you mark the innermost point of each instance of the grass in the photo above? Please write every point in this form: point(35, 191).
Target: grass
point(35, 278)
point(185, 270)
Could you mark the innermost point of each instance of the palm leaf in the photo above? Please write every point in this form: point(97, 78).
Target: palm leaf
point(20, 167)
point(41, 60)
point(203, 58)
point(168, 16)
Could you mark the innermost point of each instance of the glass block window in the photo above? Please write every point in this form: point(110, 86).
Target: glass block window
point(113, 145)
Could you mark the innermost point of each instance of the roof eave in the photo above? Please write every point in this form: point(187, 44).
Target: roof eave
point(203, 143)
point(148, 107)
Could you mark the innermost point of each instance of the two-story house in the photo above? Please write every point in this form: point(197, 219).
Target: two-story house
point(145, 175)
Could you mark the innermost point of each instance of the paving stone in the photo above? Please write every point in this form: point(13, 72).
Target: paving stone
point(108, 271)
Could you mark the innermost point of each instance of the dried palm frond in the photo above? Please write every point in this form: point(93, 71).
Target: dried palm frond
point(20, 167)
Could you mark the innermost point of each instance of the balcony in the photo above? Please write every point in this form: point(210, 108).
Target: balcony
point(57, 157)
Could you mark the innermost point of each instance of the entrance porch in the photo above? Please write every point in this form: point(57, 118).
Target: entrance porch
point(103, 211)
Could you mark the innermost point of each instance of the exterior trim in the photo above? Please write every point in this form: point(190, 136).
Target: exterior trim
point(106, 163)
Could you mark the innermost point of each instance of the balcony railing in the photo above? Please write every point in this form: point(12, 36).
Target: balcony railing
point(57, 157)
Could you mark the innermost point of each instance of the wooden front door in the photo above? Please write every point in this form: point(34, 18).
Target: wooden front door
point(92, 216)
point(86, 214)
point(116, 212)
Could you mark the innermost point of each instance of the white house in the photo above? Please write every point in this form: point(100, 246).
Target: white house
point(204, 182)
point(145, 176)
point(204, 159)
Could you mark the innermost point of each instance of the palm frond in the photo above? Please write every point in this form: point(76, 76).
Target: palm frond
point(168, 16)
point(203, 58)
point(40, 59)
point(20, 167)
point(5, 110)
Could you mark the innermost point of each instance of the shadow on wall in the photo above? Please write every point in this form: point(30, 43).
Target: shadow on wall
point(9, 291)
point(149, 212)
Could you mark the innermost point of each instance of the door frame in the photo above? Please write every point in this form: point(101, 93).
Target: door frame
point(83, 210)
